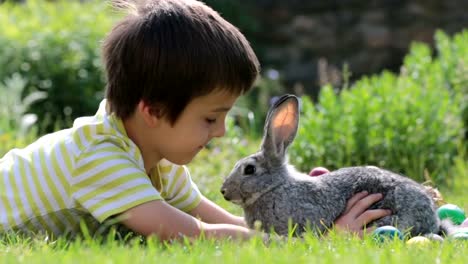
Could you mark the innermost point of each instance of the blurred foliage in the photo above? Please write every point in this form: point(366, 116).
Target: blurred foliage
point(13, 107)
point(50, 67)
point(453, 59)
point(235, 13)
point(410, 123)
point(250, 110)
point(55, 48)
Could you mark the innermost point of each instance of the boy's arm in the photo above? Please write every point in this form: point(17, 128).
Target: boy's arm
point(168, 223)
point(210, 212)
point(354, 218)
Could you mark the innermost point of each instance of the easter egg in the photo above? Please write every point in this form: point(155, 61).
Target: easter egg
point(386, 233)
point(459, 236)
point(435, 237)
point(465, 223)
point(418, 241)
point(462, 230)
point(318, 171)
point(452, 212)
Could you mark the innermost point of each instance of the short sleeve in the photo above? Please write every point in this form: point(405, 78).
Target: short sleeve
point(181, 191)
point(108, 181)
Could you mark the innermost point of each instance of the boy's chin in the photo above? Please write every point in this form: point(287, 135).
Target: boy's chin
point(181, 160)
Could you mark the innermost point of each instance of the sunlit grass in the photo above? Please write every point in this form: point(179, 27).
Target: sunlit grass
point(208, 170)
point(332, 249)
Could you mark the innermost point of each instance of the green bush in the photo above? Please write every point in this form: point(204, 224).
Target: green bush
point(453, 59)
point(55, 48)
point(250, 110)
point(410, 123)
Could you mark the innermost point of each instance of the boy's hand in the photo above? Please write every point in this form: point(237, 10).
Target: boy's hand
point(356, 215)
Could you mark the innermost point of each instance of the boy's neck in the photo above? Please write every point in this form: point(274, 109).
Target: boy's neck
point(137, 132)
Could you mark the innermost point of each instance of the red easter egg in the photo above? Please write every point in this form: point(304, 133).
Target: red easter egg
point(318, 171)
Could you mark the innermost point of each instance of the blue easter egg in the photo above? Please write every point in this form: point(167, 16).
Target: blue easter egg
point(386, 233)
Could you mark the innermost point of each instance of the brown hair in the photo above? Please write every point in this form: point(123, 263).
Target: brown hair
point(167, 52)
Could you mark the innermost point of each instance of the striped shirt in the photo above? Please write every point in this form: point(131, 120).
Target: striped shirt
point(84, 174)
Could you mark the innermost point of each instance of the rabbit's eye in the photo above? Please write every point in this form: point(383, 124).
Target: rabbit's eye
point(249, 169)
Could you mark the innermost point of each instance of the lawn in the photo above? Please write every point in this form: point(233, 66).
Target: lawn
point(208, 171)
point(311, 250)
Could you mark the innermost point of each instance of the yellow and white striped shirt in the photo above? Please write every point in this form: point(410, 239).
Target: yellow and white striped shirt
point(86, 173)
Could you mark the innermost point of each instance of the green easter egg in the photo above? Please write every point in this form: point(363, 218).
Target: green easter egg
point(451, 211)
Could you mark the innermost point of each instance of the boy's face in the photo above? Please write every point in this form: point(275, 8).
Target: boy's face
point(202, 119)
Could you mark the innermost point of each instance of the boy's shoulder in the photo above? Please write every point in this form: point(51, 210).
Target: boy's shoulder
point(168, 172)
point(89, 131)
point(86, 132)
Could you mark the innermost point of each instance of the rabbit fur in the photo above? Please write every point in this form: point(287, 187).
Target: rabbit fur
point(272, 192)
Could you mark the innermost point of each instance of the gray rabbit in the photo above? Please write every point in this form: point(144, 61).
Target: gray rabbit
point(271, 191)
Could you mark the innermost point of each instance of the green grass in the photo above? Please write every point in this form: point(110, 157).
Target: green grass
point(333, 249)
point(208, 170)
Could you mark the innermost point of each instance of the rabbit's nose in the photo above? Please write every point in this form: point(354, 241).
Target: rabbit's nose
point(223, 192)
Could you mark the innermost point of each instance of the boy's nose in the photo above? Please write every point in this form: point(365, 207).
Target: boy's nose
point(219, 131)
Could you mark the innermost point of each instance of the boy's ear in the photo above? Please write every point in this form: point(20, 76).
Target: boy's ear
point(150, 114)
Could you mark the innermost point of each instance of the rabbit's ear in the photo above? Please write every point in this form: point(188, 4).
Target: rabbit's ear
point(280, 127)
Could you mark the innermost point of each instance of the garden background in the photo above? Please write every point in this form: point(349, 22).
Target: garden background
point(383, 83)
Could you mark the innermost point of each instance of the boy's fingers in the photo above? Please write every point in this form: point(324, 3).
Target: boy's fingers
point(363, 204)
point(357, 214)
point(371, 215)
point(351, 202)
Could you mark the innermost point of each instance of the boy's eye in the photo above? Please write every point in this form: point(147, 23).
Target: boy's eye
point(210, 120)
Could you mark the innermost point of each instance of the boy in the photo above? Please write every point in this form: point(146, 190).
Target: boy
point(174, 69)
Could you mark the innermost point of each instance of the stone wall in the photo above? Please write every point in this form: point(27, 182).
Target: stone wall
point(309, 41)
